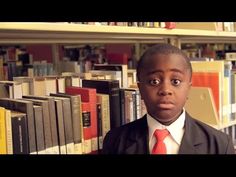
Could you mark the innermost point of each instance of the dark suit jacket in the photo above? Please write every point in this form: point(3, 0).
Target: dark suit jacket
point(198, 138)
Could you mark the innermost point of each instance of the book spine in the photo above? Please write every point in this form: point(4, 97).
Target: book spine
point(86, 117)
point(76, 116)
point(60, 126)
point(20, 135)
point(47, 128)
point(122, 106)
point(39, 129)
point(30, 126)
point(9, 132)
point(53, 126)
point(27, 108)
point(3, 145)
point(99, 128)
point(94, 120)
point(68, 126)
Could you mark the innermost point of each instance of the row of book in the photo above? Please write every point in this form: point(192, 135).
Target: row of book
point(135, 24)
point(117, 107)
point(214, 26)
point(213, 88)
point(12, 69)
point(216, 75)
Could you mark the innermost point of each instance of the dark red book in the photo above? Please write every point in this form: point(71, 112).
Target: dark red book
point(87, 134)
point(88, 95)
point(110, 87)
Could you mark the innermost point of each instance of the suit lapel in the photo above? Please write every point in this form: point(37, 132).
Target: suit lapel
point(191, 140)
point(138, 141)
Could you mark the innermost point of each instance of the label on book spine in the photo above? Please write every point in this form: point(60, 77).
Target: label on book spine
point(86, 119)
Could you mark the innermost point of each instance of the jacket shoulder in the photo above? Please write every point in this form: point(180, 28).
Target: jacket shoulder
point(210, 136)
point(118, 137)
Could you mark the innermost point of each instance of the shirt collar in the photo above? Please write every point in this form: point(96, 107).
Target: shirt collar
point(175, 129)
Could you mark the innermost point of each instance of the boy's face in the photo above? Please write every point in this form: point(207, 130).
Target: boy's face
point(164, 86)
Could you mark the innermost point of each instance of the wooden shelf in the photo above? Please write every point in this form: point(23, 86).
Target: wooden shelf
point(79, 33)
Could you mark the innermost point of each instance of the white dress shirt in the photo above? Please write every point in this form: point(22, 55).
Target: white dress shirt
point(173, 140)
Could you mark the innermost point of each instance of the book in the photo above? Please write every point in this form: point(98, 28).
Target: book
point(3, 138)
point(68, 126)
point(211, 80)
point(50, 84)
point(132, 77)
point(202, 96)
point(104, 119)
point(110, 87)
point(213, 66)
point(9, 140)
point(10, 89)
point(115, 75)
point(76, 119)
point(88, 95)
point(27, 84)
point(86, 118)
point(52, 118)
point(26, 107)
point(19, 133)
point(39, 129)
point(39, 86)
point(46, 124)
point(99, 126)
point(115, 67)
point(61, 84)
point(60, 126)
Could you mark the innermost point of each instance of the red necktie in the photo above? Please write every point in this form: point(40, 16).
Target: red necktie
point(160, 147)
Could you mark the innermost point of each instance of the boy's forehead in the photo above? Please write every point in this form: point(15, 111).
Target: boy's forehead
point(167, 59)
point(165, 63)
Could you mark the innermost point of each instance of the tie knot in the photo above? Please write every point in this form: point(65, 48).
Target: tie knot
point(161, 134)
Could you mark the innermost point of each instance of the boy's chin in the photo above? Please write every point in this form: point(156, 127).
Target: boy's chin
point(166, 116)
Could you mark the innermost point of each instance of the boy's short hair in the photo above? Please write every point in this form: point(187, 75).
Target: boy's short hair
point(161, 49)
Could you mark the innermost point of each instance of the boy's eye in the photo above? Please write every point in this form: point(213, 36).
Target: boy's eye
point(155, 82)
point(175, 81)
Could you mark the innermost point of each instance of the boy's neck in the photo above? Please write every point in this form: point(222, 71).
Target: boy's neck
point(167, 123)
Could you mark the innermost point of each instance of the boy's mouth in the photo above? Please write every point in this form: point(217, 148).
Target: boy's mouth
point(165, 105)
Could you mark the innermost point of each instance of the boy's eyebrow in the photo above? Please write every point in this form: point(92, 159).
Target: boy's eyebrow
point(161, 71)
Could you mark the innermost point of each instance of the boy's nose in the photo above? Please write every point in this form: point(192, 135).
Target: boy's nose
point(165, 90)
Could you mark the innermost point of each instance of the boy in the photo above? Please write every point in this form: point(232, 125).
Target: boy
point(164, 79)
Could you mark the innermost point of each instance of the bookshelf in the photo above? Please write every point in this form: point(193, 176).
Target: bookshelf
point(57, 34)
point(82, 33)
